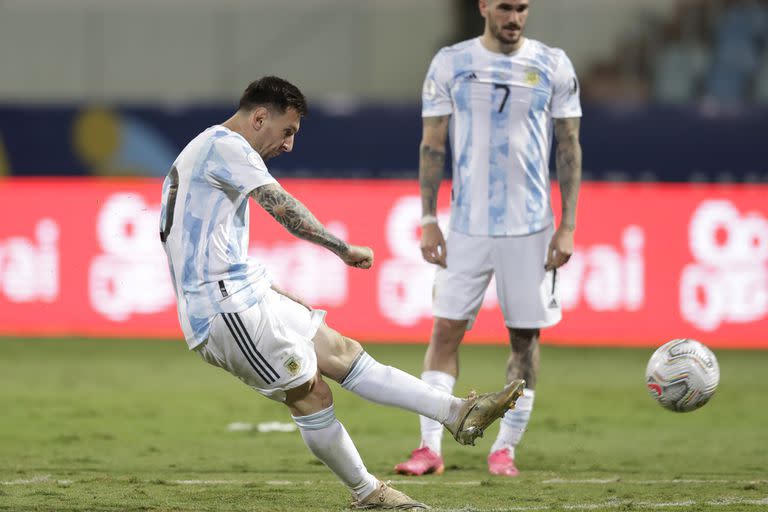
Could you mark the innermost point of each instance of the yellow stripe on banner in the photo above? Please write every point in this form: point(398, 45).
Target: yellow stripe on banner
point(5, 168)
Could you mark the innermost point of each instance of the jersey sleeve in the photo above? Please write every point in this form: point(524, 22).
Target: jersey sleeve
point(236, 166)
point(436, 94)
point(565, 95)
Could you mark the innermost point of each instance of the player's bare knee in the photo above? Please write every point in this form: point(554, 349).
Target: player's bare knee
point(348, 352)
point(523, 340)
point(335, 353)
point(447, 334)
point(351, 349)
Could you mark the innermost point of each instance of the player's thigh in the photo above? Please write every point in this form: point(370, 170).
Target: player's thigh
point(460, 287)
point(335, 353)
point(527, 293)
point(268, 346)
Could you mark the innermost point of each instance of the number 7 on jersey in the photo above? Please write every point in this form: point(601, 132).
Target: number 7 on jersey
point(506, 94)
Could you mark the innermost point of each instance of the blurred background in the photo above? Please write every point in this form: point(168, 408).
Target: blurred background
point(674, 92)
point(97, 97)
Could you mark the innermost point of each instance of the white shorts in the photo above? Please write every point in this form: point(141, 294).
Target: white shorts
point(269, 346)
point(527, 293)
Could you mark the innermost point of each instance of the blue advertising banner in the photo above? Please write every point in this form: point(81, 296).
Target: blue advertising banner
point(375, 141)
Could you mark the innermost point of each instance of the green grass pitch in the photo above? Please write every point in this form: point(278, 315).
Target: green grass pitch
point(131, 425)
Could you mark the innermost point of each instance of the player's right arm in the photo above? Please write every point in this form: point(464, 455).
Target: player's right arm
point(432, 153)
point(299, 221)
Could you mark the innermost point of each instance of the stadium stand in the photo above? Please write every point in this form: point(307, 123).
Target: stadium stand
point(661, 74)
point(711, 51)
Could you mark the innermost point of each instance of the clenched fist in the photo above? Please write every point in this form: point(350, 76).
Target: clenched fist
point(358, 256)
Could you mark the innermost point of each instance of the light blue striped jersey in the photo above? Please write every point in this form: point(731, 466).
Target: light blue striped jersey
point(501, 109)
point(204, 228)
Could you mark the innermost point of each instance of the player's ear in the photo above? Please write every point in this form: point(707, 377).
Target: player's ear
point(482, 5)
point(258, 116)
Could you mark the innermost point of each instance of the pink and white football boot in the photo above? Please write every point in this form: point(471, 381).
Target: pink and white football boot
point(423, 461)
point(500, 463)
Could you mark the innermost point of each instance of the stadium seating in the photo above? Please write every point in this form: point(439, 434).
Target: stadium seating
point(705, 50)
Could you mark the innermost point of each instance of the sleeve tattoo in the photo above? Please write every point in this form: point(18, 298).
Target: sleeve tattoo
point(432, 162)
point(296, 218)
point(568, 160)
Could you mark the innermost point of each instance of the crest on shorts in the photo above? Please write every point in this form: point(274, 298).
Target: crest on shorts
point(293, 365)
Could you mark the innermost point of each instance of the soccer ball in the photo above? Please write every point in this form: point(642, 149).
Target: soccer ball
point(682, 375)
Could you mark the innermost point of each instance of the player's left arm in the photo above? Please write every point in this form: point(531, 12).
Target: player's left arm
point(568, 162)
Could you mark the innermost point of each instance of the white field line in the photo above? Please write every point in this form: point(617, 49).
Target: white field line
point(315, 482)
point(617, 504)
point(616, 480)
point(40, 479)
point(393, 482)
point(610, 504)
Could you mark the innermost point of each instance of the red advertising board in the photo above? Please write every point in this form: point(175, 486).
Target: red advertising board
point(652, 262)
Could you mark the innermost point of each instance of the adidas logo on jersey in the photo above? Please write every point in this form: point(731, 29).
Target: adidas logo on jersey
point(553, 304)
point(472, 76)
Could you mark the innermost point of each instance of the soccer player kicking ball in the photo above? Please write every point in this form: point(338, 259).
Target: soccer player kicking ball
point(236, 319)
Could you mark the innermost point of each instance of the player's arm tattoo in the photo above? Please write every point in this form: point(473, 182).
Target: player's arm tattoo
point(432, 161)
point(296, 218)
point(568, 159)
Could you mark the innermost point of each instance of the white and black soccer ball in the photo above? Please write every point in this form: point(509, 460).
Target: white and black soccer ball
point(682, 375)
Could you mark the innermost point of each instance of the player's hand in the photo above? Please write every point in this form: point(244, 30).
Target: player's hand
point(433, 245)
point(560, 248)
point(358, 256)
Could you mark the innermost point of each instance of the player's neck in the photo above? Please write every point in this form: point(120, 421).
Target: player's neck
point(237, 124)
point(492, 44)
point(233, 123)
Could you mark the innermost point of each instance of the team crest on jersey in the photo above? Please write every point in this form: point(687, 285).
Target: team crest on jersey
point(532, 76)
point(293, 365)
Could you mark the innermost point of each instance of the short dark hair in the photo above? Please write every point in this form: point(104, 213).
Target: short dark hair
point(274, 92)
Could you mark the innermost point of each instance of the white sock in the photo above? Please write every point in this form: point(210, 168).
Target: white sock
point(389, 386)
point(432, 431)
point(327, 439)
point(514, 423)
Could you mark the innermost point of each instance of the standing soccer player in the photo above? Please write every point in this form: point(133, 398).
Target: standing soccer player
point(499, 95)
point(235, 318)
